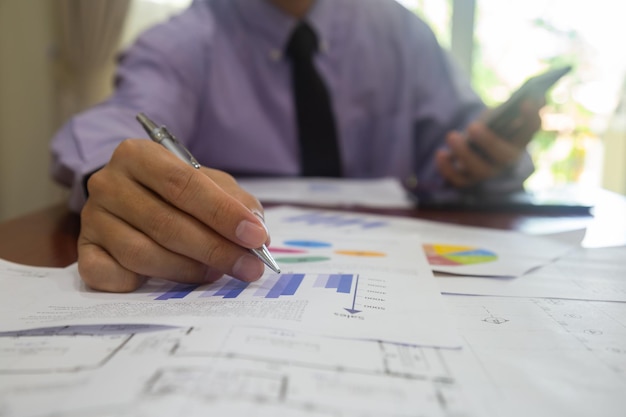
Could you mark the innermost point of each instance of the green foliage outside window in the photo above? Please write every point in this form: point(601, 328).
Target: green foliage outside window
point(561, 150)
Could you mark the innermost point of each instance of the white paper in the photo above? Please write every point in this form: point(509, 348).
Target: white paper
point(585, 274)
point(545, 357)
point(340, 287)
point(453, 249)
point(358, 350)
point(524, 356)
point(330, 192)
point(235, 371)
point(608, 228)
point(573, 237)
point(72, 352)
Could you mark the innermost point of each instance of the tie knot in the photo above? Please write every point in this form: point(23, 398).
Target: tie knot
point(303, 42)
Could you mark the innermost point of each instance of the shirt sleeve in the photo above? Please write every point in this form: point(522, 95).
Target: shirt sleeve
point(160, 75)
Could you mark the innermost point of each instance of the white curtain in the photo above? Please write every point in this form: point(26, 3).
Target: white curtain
point(90, 32)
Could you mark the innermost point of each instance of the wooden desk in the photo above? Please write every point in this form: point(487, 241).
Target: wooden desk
point(43, 238)
point(48, 237)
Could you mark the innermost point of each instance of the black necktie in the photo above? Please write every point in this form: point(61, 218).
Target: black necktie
point(319, 150)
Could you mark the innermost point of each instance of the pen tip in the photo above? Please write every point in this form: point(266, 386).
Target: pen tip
point(264, 254)
point(271, 263)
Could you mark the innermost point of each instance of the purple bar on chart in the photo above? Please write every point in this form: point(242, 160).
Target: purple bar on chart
point(177, 291)
point(345, 284)
point(346, 222)
point(373, 225)
point(265, 285)
point(287, 284)
point(333, 281)
point(341, 282)
point(311, 218)
point(320, 281)
point(292, 284)
point(232, 289)
point(210, 291)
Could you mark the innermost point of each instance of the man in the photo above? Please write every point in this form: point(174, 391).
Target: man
point(222, 77)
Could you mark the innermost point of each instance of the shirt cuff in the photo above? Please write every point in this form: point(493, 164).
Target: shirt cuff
point(78, 192)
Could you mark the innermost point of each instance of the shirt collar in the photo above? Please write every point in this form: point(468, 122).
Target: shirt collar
point(276, 27)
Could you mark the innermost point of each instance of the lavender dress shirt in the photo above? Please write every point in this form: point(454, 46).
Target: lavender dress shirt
point(217, 76)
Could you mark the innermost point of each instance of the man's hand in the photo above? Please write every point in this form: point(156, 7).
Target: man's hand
point(462, 165)
point(151, 215)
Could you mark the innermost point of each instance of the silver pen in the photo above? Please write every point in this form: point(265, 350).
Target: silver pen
point(161, 135)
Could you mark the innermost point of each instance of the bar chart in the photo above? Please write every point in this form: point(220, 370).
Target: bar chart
point(270, 287)
point(342, 283)
point(177, 292)
point(337, 221)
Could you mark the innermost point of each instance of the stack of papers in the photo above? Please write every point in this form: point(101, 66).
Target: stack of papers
point(459, 250)
point(351, 327)
point(330, 192)
point(356, 325)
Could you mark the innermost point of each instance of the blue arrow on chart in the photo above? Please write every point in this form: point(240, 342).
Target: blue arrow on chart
point(352, 310)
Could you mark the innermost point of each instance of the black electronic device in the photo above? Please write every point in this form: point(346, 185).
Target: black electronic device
point(501, 117)
point(565, 200)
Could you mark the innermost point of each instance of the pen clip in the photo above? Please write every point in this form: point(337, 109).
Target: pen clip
point(168, 140)
point(165, 138)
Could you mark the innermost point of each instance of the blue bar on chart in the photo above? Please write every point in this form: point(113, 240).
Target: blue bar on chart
point(177, 291)
point(265, 285)
point(337, 220)
point(275, 286)
point(313, 218)
point(232, 288)
point(340, 282)
point(373, 225)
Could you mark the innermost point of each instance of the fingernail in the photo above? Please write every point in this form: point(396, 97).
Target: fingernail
point(248, 268)
point(252, 234)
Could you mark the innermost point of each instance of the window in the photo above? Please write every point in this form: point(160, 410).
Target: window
point(145, 13)
point(517, 38)
point(583, 125)
point(438, 15)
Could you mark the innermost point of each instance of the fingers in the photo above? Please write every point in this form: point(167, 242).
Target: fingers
point(131, 260)
point(475, 156)
point(101, 272)
point(228, 184)
point(501, 153)
point(137, 224)
point(445, 161)
point(112, 256)
point(480, 153)
point(190, 190)
point(529, 121)
point(161, 231)
point(462, 165)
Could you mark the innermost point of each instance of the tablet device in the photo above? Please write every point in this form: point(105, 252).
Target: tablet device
point(555, 201)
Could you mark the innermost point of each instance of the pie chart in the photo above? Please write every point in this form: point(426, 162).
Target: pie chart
point(452, 255)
